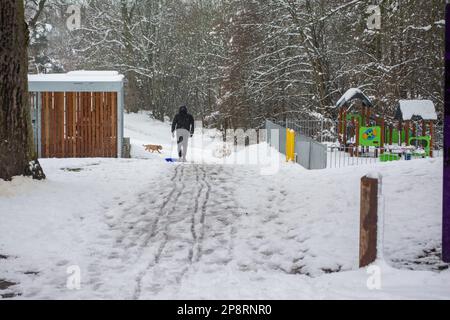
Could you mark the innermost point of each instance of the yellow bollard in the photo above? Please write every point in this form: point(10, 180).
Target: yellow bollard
point(290, 145)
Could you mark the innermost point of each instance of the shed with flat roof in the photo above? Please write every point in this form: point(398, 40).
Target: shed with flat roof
point(77, 114)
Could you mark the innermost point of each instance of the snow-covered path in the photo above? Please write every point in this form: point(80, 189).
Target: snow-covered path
point(214, 231)
point(142, 229)
point(164, 233)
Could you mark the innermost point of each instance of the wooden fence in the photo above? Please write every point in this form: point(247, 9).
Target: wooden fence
point(78, 124)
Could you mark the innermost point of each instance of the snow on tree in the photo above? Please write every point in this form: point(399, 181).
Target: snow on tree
point(236, 63)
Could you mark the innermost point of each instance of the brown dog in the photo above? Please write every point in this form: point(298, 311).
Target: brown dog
point(152, 148)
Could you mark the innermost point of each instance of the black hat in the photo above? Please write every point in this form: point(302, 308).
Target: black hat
point(183, 109)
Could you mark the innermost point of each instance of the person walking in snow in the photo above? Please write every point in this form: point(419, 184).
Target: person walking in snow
point(183, 124)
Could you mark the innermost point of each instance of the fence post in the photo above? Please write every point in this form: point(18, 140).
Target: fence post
point(321, 131)
point(368, 221)
point(310, 155)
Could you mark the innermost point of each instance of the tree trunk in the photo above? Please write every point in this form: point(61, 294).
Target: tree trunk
point(16, 134)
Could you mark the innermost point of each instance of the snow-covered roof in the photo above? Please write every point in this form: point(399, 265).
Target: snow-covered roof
point(352, 94)
point(78, 76)
point(77, 81)
point(410, 109)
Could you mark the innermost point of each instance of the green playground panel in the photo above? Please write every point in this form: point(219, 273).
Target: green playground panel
point(386, 157)
point(396, 135)
point(350, 117)
point(370, 136)
point(427, 146)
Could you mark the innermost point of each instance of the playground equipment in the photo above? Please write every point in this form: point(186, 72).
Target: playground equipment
point(416, 119)
point(422, 144)
point(386, 157)
point(361, 127)
point(370, 136)
point(361, 132)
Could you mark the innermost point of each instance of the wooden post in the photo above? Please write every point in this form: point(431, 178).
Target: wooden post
point(368, 221)
point(367, 117)
point(391, 132)
point(367, 124)
point(357, 126)
point(432, 139)
point(383, 135)
point(407, 126)
point(344, 128)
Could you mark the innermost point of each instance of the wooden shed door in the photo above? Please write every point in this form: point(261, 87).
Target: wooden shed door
point(79, 124)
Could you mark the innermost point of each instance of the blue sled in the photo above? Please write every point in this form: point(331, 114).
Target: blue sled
point(171, 160)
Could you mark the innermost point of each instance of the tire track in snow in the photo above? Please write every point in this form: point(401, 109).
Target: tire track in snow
point(184, 235)
point(174, 190)
point(129, 212)
point(195, 251)
point(203, 215)
point(189, 225)
point(177, 191)
point(140, 218)
point(202, 184)
point(174, 208)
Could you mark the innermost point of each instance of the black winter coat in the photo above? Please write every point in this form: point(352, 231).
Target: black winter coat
point(183, 120)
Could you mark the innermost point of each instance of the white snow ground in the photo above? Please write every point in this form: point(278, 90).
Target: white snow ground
point(144, 229)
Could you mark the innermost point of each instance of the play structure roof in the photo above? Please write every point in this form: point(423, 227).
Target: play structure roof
point(353, 94)
point(420, 109)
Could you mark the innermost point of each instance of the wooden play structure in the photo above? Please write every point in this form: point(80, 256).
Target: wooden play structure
point(416, 125)
point(363, 133)
point(359, 127)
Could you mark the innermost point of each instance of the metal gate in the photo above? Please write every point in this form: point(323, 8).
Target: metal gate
point(75, 124)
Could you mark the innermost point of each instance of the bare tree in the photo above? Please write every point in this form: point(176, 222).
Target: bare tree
point(236, 62)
